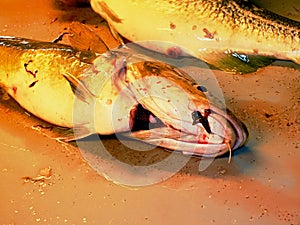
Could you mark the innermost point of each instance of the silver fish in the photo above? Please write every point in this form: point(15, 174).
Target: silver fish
point(232, 35)
point(116, 92)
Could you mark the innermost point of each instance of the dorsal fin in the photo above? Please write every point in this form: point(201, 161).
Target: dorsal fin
point(84, 38)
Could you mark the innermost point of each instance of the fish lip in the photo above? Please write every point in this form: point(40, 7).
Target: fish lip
point(239, 128)
point(193, 147)
point(242, 136)
point(216, 149)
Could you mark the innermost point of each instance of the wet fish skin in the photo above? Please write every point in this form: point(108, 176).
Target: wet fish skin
point(98, 93)
point(32, 73)
point(208, 29)
point(175, 104)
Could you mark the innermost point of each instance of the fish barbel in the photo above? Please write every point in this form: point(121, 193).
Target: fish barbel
point(116, 92)
point(228, 34)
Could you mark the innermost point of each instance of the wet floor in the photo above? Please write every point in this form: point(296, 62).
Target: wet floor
point(43, 181)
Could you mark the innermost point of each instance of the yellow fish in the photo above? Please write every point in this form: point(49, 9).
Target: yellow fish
point(235, 35)
point(116, 92)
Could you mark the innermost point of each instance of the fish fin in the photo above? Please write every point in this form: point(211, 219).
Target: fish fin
point(66, 136)
point(79, 88)
point(84, 38)
point(87, 56)
point(116, 35)
point(236, 62)
point(75, 133)
point(60, 37)
point(102, 6)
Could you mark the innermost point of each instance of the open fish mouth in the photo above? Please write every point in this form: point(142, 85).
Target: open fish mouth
point(171, 112)
point(160, 104)
point(147, 127)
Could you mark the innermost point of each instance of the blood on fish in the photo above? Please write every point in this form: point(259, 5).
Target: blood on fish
point(208, 34)
point(143, 89)
point(94, 69)
point(172, 26)
point(207, 112)
point(108, 101)
point(174, 52)
point(203, 139)
point(14, 88)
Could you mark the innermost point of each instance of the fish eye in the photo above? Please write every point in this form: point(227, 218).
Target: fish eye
point(201, 88)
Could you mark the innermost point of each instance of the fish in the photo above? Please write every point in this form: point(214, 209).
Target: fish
point(116, 92)
point(235, 36)
point(32, 73)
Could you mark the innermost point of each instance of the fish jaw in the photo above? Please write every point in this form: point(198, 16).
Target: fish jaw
point(228, 133)
point(154, 102)
point(166, 100)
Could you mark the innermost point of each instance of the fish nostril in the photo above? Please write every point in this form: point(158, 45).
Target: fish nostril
point(207, 112)
point(198, 118)
point(202, 88)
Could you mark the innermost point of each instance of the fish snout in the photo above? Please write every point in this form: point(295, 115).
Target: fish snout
point(224, 124)
point(208, 135)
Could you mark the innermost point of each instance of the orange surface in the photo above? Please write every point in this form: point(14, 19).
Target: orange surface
point(260, 185)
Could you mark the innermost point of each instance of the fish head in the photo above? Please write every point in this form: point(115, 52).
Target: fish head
point(167, 109)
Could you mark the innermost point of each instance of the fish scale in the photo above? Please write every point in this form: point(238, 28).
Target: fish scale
point(206, 29)
point(100, 93)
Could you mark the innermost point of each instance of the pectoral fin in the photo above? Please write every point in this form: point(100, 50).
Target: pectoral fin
point(116, 35)
point(79, 88)
point(75, 133)
point(236, 62)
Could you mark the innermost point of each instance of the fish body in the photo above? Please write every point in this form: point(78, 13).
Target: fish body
point(116, 92)
point(212, 30)
point(43, 78)
point(32, 73)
